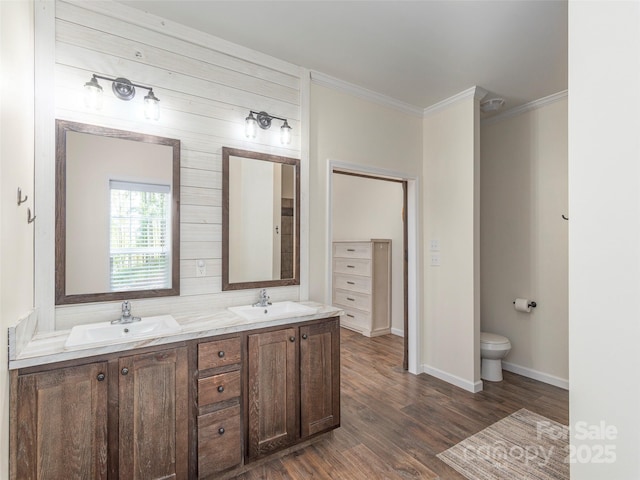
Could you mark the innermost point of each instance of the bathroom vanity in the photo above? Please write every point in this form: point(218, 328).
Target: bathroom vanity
point(204, 403)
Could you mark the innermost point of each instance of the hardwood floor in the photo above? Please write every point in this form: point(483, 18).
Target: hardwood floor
point(394, 423)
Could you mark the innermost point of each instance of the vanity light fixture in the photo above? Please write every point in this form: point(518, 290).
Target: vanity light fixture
point(263, 120)
point(124, 90)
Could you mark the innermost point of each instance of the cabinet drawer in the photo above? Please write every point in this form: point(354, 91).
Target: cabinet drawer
point(351, 300)
point(218, 353)
point(352, 266)
point(352, 283)
point(352, 250)
point(219, 445)
point(355, 320)
point(218, 388)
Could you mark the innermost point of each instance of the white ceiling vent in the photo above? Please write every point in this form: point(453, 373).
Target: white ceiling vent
point(492, 105)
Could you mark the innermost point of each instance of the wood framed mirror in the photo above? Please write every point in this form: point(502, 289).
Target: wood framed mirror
point(117, 214)
point(260, 220)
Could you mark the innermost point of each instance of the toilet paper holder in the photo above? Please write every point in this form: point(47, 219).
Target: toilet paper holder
point(531, 304)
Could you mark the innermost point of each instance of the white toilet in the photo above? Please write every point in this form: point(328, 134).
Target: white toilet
point(493, 348)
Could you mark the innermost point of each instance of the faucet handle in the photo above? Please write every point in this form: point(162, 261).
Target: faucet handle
point(126, 307)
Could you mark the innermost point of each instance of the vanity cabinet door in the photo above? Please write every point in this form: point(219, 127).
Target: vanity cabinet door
point(61, 424)
point(153, 415)
point(272, 391)
point(319, 377)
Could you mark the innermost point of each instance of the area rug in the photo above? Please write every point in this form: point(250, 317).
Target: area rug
point(523, 445)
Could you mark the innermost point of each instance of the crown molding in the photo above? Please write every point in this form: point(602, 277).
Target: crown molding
point(331, 82)
point(475, 92)
point(527, 107)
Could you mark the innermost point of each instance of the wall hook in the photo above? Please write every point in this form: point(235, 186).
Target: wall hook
point(566, 218)
point(30, 219)
point(20, 199)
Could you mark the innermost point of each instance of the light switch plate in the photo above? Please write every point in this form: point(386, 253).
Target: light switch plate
point(201, 268)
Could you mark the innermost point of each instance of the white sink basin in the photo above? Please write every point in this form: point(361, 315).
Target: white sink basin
point(275, 311)
point(105, 333)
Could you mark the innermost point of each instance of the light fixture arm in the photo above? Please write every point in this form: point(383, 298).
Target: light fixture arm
point(122, 87)
point(264, 119)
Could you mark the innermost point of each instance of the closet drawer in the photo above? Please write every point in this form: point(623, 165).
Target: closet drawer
point(352, 283)
point(219, 445)
point(355, 320)
point(351, 300)
point(218, 388)
point(219, 353)
point(352, 266)
point(352, 250)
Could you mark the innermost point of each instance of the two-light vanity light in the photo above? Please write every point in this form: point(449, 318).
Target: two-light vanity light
point(263, 120)
point(124, 90)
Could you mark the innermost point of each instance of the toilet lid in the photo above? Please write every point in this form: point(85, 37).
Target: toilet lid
point(492, 338)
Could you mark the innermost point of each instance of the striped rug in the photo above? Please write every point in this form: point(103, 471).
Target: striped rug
point(523, 445)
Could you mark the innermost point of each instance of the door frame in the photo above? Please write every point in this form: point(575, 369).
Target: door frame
point(411, 234)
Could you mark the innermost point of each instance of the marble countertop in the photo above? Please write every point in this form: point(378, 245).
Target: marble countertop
point(49, 348)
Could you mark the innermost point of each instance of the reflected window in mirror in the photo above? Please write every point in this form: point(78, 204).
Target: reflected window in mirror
point(117, 214)
point(261, 221)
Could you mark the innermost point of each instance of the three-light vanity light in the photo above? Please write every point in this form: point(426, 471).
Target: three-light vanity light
point(124, 90)
point(263, 120)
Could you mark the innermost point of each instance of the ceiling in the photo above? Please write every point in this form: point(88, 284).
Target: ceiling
point(417, 52)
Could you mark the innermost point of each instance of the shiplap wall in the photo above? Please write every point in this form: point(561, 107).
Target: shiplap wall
point(206, 88)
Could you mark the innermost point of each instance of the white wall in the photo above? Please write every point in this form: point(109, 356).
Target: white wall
point(365, 208)
point(451, 216)
point(206, 88)
point(524, 194)
point(357, 131)
point(604, 233)
point(16, 170)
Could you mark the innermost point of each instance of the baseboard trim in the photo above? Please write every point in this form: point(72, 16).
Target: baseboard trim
point(452, 379)
point(397, 331)
point(536, 375)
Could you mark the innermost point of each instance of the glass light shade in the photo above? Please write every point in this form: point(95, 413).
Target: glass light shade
point(151, 107)
point(93, 94)
point(251, 126)
point(285, 133)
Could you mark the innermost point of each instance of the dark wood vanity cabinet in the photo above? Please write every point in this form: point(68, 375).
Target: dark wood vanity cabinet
point(125, 417)
point(153, 415)
point(59, 424)
point(293, 385)
point(198, 409)
point(219, 386)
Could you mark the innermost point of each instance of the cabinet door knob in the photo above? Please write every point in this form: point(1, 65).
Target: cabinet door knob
point(221, 353)
point(221, 431)
point(292, 339)
point(124, 371)
point(304, 336)
point(101, 376)
point(220, 389)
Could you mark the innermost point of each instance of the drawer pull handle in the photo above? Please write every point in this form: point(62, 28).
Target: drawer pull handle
point(351, 249)
point(220, 389)
point(292, 339)
point(304, 336)
point(221, 354)
point(221, 431)
point(349, 315)
point(124, 371)
point(351, 299)
point(101, 376)
point(351, 266)
point(351, 283)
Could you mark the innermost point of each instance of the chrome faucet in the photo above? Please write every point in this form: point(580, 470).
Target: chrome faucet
point(264, 299)
point(126, 316)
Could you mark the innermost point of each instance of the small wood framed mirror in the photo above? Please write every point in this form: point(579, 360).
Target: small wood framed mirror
point(260, 220)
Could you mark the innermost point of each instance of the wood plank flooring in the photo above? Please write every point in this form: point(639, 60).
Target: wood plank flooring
point(394, 423)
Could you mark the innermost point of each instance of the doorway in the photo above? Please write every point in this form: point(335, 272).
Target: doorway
point(366, 205)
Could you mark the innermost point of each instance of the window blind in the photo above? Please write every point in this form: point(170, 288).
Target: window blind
point(140, 254)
